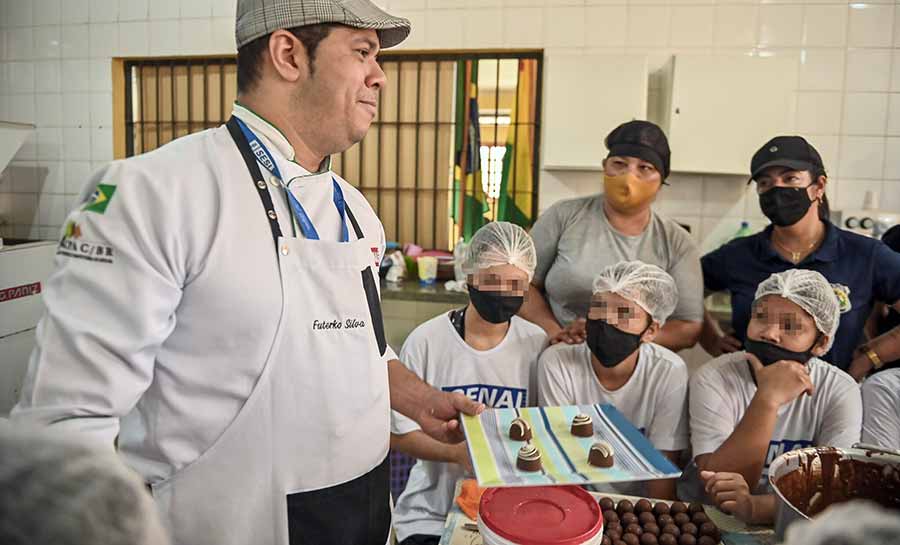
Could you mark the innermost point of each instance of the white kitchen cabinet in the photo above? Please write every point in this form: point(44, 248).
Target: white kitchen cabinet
point(585, 97)
point(718, 110)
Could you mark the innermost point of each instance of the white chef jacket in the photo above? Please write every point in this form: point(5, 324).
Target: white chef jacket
point(163, 307)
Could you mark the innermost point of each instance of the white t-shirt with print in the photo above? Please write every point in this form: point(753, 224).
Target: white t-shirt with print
point(503, 376)
point(722, 389)
point(881, 409)
point(654, 399)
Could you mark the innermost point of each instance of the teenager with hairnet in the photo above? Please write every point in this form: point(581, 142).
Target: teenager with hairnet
point(482, 350)
point(620, 364)
point(749, 407)
point(57, 491)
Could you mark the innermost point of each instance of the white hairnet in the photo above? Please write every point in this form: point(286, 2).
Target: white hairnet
point(648, 286)
point(857, 522)
point(500, 243)
point(813, 293)
point(58, 491)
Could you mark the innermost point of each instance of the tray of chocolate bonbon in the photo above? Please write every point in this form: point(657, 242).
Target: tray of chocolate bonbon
point(645, 522)
point(577, 444)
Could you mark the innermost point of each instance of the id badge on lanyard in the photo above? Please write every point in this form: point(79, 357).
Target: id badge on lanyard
point(306, 225)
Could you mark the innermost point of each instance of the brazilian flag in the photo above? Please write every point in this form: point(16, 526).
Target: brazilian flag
point(515, 202)
point(469, 200)
point(100, 199)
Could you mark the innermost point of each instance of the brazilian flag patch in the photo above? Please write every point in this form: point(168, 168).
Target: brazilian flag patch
point(100, 199)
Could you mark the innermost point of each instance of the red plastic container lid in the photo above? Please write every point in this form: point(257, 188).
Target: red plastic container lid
point(541, 515)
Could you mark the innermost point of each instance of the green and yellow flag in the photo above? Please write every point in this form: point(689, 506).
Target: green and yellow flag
point(515, 202)
point(469, 200)
point(100, 199)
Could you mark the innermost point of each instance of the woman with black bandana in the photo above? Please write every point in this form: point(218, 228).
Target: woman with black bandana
point(790, 181)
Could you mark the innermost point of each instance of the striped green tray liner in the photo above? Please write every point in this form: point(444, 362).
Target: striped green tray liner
point(563, 455)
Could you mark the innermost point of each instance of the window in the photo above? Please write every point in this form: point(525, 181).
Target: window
point(455, 142)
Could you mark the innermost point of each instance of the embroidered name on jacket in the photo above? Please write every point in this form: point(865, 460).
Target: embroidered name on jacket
point(349, 323)
point(499, 397)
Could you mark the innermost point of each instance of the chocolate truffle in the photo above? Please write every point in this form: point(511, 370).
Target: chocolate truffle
point(689, 528)
point(682, 518)
point(620, 542)
point(671, 529)
point(642, 506)
point(687, 539)
point(661, 508)
point(529, 458)
point(706, 540)
point(607, 503)
point(634, 529)
point(648, 539)
point(624, 506)
point(695, 507)
point(677, 507)
point(699, 518)
point(709, 529)
point(646, 517)
point(610, 516)
point(668, 539)
point(582, 426)
point(601, 453)
point(613, 534)
point(651, 528)
point(663, 520)
point(629, 518)
point(614, 527)
point(631, 539)
point(520, 430)
point(605, 541)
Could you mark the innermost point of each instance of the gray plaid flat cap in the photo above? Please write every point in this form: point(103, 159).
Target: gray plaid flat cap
point(257, 18)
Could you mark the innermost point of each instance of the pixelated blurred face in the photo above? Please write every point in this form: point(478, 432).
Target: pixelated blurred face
point(779, 321)
point(619, 312)
point(507, 280)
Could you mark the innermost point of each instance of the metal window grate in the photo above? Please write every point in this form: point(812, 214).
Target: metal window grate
point(410, 166)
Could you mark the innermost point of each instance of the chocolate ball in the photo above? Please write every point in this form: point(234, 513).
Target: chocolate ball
point(695, 507)
point(661, 508)
point(709, 529)
point(605, 541)
point(643, 506)
point(682, 519)
point(606, 503)
point(633, 529)
point(668, 539)
point(646, 517)
point(671, 529)
point(648, 539)
point(706, 540)
point(625, 506)
point(651, 528)
point(689, 528)
point(629, 518)
point(664, 520)
point(631, 539)
point(687, 539)
point(614, 527)
point(610, 516)
point(620, 542)
point(613, 534)
point(677, 507)
point(699, 518)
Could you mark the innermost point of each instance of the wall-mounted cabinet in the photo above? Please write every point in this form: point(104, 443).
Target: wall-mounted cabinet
point(586, 96)
point(718, 110)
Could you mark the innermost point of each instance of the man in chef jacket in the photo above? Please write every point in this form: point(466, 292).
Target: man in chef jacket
point(215, 303)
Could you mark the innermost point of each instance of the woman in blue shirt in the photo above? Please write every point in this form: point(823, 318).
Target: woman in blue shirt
point(790, 180)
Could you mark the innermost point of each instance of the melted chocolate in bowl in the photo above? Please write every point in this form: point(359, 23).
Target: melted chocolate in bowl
point(827, 476)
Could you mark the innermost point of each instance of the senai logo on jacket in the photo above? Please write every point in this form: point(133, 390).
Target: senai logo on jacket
point(499, 397)
point(777, 448)
point(100, 198)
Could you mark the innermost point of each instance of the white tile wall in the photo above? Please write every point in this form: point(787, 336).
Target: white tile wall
point(55, 72)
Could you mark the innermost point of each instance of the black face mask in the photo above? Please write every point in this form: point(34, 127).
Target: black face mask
point(785, 205)
point(495, 307)
point(610, 344)
point(769, 353)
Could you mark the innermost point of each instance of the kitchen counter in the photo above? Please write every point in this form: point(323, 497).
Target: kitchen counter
point(413, 291)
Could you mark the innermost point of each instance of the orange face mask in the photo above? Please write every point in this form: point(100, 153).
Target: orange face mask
point(627, 194)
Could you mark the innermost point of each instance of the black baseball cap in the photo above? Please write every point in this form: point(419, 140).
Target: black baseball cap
point(641, 139)
point(792, 152)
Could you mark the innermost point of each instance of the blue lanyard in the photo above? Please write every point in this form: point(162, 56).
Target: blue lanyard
point(268, 162)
